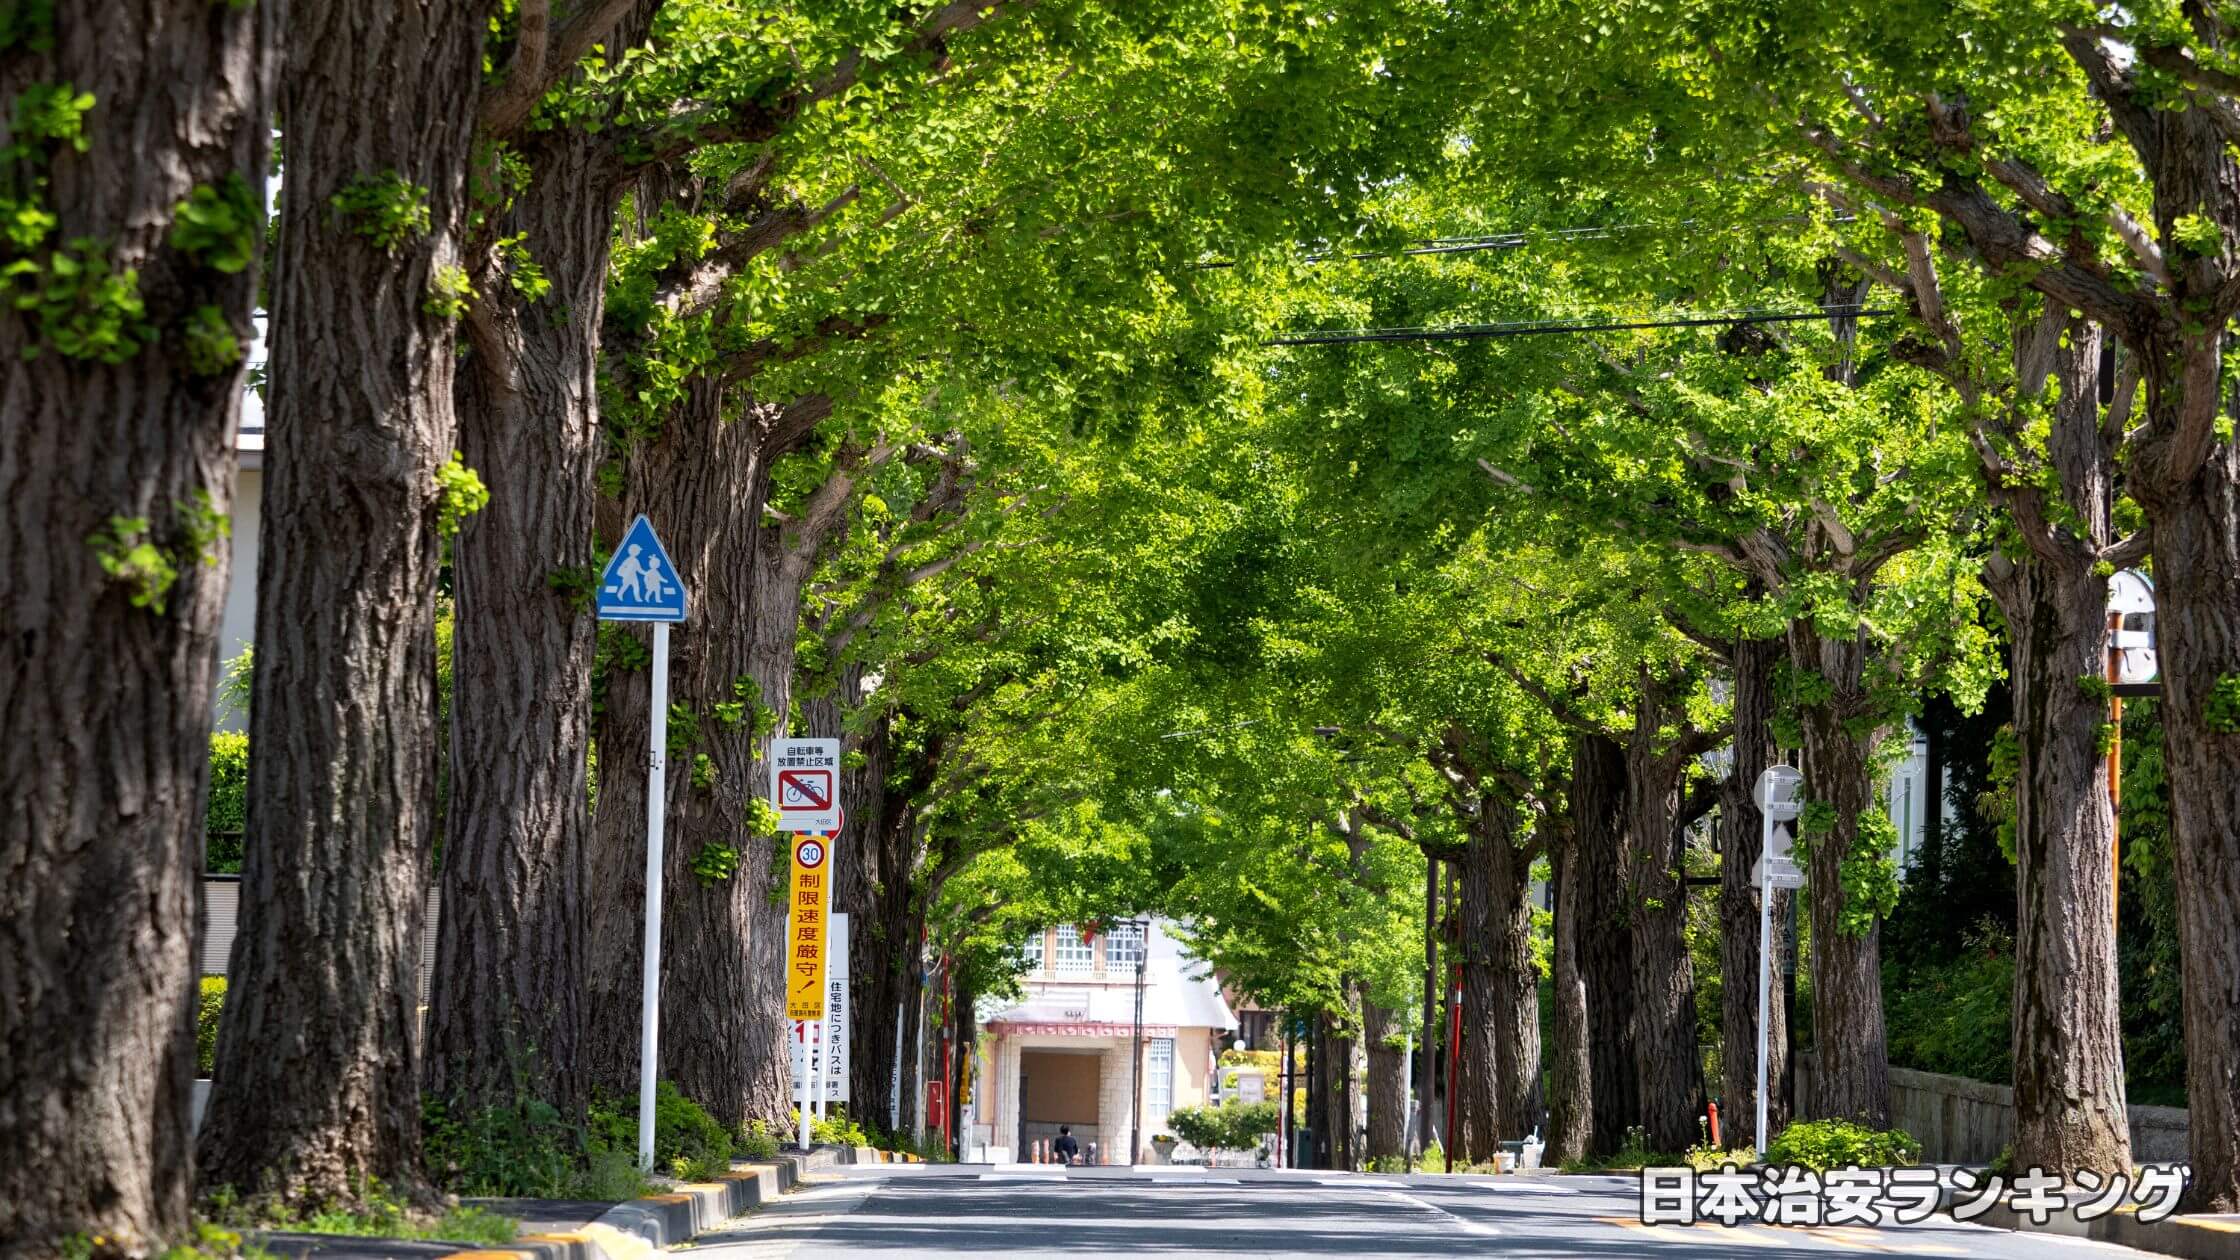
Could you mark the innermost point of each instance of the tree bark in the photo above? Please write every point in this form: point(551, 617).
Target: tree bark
point(1333, 1120)
point(704, 481)
point(2067, 1030)
point(102, 792)
point(1570, 1064)
point(506, 1012)
point(317, 1090)
point(1667, 1060)
point(1387, 1093)
point(1742, 837)
point(1598, 805)
point(1427, 1075)
point(876, 866)
point(2197, 591)
point(1501, 999)
point(723, 1033)
point(1851, 1068)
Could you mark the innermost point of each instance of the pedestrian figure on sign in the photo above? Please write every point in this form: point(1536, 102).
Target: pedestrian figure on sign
point(641, 580)
point(1065, 1148)
point(633, 573)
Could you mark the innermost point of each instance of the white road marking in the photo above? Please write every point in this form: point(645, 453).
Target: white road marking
point(1465, 1224)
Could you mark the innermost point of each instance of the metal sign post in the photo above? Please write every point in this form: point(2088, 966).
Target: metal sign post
point(805, 791)
point(1779, 794)
point(805, 952)
point(641, 584)
point(2133, 670)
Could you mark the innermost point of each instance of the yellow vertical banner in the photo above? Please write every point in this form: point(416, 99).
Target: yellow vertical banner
point(805, 941)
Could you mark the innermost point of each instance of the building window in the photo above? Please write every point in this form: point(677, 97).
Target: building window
point(1123, 947)
point(1030, 955)
point(1158, 1081)
point(1071, 955)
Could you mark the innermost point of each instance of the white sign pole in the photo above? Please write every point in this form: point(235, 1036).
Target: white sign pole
point(894, 1077)
point(801, 1121)
point(1765, 970)
point(649, 1010)
point(824, 1025)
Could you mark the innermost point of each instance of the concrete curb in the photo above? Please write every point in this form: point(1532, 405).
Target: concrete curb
point(640, 1228)
point(2192, 1237)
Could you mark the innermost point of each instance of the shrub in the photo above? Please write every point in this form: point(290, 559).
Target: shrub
point(1237, 1127)
point(1955, 1017)
point(523, 1148)
point(229, 801)
point(757, 1143)
point(1826, 1144)
point(209, 1004)
point(682, 1130)
point(836, 1128)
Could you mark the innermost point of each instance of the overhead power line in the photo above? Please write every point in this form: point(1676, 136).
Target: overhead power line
point(1542, 327)
point(1437, 245)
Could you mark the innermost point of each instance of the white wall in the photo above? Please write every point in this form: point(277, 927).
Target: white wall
point(238, 625)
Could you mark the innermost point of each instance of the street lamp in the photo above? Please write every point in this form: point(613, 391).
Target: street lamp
point(1135, 1056)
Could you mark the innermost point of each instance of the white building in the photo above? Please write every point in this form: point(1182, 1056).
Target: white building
point(1061, 1054)
point(237, 625)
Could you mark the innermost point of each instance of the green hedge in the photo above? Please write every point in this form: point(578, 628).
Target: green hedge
point(229, 801)
point(209, 1004)
point(686, 1139)
point(1826, 1144)
point(1954, 1018)
point(1236, 1127)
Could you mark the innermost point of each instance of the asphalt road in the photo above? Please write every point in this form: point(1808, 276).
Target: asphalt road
point(961, 1210)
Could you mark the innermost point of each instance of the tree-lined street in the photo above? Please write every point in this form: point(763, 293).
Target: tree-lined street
point(1104, 1215)
point(1404, 587)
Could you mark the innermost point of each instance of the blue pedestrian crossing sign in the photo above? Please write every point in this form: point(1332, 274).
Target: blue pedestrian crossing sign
point(640, 583)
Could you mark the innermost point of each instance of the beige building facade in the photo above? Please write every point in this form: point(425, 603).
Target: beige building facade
point(1066, 1053)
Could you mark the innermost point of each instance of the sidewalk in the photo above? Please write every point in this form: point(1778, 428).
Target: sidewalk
point(575, 1229)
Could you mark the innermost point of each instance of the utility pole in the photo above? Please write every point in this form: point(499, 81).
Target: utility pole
point(1135, 1061)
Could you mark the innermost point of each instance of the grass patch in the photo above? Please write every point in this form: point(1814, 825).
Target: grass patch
point(380, 1216)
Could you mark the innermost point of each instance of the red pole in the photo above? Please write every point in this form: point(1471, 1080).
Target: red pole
point(1454, 1060)
point(1716, 1144)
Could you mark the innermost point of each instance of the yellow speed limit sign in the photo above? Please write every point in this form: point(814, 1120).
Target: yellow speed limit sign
point(812, 893)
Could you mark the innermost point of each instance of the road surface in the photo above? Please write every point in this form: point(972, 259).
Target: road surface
point(896, 1211)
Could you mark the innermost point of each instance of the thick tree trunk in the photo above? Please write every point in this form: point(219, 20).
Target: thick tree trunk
point(2068, 1037)
point(1598, 805)
point(1510, 1018)
point(317, 1089)
point(1333, 1119)
point(1500, 995)
point(1427, 1073)
point(705, 481)
point(1851, 1068)
point(507, 1012)
point(1741, 837)
point(1570, 1064)
point(1476, 1104)
point(102, 791)
point(2067, 1029)
point(885, 977)
point(873, 875)
point(2197, 591)
point(1667, 1060)
point(1387, 1093)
